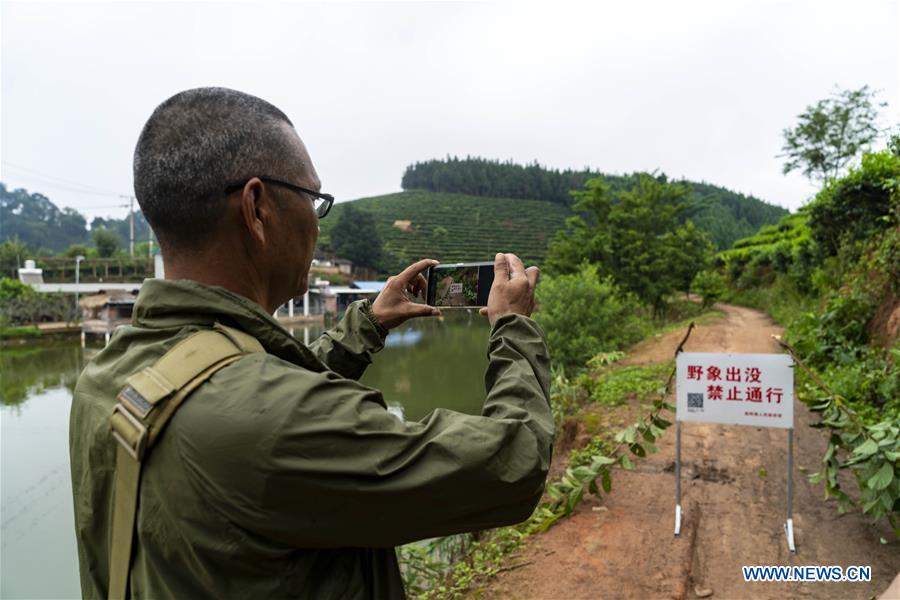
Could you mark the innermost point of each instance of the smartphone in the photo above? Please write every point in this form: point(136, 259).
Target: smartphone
point(460, 285)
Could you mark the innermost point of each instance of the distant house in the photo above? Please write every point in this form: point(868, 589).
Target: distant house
point(102, 313)
point(404, 226)
point(338, 298)
point(344, 266)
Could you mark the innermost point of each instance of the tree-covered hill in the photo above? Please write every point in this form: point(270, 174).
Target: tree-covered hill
point(454, 227)
point(34, 220)
point(724, 214)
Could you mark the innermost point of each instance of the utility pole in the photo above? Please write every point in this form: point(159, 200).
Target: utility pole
point(130, 224)
point(78, 260)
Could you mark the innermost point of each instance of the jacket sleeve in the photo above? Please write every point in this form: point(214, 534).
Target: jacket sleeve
point(347, 348)
point(342, 471)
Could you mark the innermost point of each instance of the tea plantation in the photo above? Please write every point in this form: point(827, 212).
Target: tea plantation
point(456, 227)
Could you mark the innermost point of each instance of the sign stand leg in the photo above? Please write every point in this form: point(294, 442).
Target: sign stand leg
point(677, 477)
point(789, 523)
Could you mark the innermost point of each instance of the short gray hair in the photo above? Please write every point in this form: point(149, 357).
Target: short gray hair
point(196, 143)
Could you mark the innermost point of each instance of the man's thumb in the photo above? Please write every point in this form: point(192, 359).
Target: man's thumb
point(424, 310)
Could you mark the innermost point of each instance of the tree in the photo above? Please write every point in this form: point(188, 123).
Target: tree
point(106, 242)
point(635, 236)
point(831, 133)
point(36, 221)
point(76, 250)
point(12, 256)
point(355, 238)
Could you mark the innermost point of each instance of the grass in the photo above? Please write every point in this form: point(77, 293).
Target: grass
point(23, 331)
point(618, 385)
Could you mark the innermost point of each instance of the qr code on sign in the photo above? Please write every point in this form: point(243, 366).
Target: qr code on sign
point(695, 402)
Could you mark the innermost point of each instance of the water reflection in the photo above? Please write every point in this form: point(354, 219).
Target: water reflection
point(38, 556)
point(434, 363)
point(29, 369)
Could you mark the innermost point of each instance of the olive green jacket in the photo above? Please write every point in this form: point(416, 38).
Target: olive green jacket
point(282, 476)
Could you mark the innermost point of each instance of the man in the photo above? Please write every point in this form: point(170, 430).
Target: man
point(280, 475)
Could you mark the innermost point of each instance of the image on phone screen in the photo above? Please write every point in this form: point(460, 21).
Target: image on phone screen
point(460, 285)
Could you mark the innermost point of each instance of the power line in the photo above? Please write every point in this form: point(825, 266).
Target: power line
point(61, 183)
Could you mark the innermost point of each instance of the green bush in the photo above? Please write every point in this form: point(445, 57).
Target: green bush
point(837, 334)
point(584, 314)
point(710, 285)
point(20, 304)
point(858, 206)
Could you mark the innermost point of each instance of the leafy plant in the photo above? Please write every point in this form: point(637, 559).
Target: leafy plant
point(583, 314)
point(872, 454)
point(710, 285)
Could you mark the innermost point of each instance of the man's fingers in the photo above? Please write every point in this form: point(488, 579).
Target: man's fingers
point(483, 311)
point(532, 273)
point(418, 285)
point(410, 272)
point(516, 268)
point(501, 267)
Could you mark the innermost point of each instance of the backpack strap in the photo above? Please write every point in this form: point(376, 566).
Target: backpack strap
point(145, 406)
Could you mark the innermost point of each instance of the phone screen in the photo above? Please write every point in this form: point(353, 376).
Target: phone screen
point(460, 285)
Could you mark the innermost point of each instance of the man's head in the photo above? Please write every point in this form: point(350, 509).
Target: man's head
point(201, 141)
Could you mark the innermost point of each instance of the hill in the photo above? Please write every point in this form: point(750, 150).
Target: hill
point(724, 214)
point(34, 220)
point(455, 227)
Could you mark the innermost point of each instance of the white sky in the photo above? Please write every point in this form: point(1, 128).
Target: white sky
point(695, 89)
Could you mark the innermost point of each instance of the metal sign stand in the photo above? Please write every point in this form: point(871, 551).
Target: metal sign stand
point(677, 478)
point(789, 522)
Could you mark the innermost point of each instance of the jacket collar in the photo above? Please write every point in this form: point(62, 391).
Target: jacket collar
point(166, 303)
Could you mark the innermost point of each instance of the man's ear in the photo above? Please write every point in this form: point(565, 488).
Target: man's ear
point(254, 210)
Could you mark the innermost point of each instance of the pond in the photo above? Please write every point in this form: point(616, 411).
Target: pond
point(426, 364)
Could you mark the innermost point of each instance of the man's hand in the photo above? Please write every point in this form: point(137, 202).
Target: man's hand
point(513, 289)
point(393, 305)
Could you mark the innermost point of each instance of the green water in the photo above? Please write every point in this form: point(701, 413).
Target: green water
point(427, 364)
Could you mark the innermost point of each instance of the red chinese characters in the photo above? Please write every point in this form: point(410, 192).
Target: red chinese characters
point(752, 375)
point(695, 372)
point(733, 374)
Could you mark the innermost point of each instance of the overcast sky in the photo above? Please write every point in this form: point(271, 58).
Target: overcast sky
point(695, 89)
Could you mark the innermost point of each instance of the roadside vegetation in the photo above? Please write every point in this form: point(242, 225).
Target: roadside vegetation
point(830, 274)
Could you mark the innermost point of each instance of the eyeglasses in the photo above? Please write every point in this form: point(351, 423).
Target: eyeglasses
point(321, 202)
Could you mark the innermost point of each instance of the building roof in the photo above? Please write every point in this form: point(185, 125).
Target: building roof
point(341, 289)
point(369, 285)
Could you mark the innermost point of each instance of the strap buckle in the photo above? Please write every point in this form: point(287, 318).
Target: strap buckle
point(129, 432)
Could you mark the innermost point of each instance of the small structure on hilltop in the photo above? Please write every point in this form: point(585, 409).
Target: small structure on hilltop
point(404, 226)
point(103, 312)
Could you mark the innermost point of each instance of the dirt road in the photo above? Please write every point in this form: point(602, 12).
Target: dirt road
point(734, 499)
